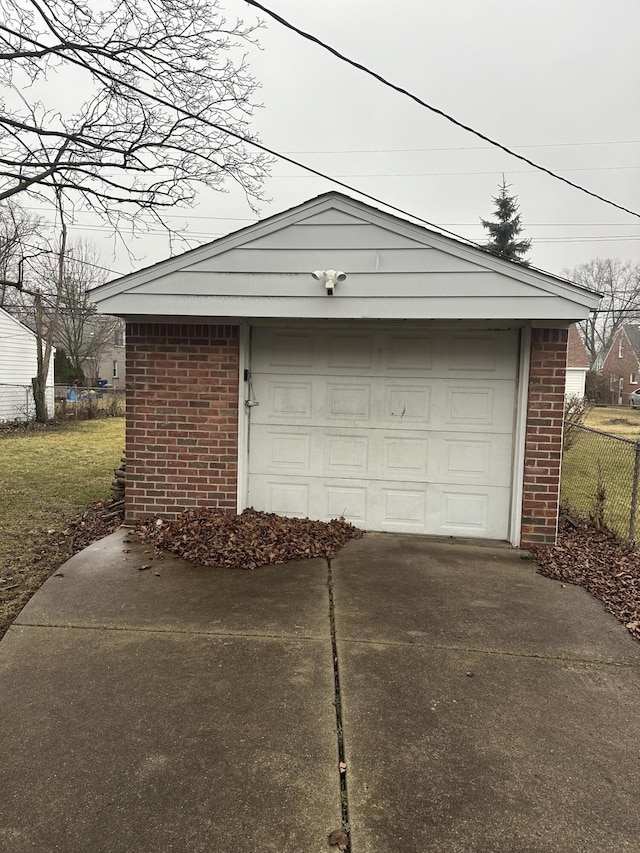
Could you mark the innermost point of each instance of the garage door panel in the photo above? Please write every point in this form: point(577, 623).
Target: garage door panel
point(391, 428)
point(286, 400)
point(382, 454)
point(289, 451)
point(348, 502)
point(403, 508)
point(282, 496)
point(284, 350)
point(471, 511)
point(345, 453)
point(404, 456)
point(347, 401)
point(481, 405)
point(472, 356)
point(473, 459)
point(479, 355)
point(404, 404)
point(372, 402)
point(406, 352)
point(349, 352)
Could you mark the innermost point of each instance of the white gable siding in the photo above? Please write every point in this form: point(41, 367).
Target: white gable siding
point(18, 365)
point(394, 270)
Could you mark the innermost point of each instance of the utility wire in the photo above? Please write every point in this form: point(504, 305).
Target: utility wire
point(464, 147)
point(104, 75)
point(433, 109)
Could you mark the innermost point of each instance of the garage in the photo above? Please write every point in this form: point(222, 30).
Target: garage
point(337, 360)
point(394, 429)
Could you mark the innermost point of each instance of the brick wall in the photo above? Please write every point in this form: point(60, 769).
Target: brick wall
point(621, 363)
point(182, 417)
point(543, 442)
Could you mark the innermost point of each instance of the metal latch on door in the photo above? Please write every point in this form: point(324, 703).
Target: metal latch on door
point(251, 402)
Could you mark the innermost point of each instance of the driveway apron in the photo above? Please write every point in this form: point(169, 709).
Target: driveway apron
point(486, 708)
point(150, 705)
point(173, 708)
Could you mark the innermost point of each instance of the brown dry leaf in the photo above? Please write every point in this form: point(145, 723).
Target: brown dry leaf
point(607, 566)
point(218, 537)
point(339, 838)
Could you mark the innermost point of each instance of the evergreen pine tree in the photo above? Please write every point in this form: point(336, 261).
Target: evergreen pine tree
point(505, 230)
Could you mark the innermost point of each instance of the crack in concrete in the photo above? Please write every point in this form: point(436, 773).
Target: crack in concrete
point(342, 765)
point(185, 631)
point(497, 652)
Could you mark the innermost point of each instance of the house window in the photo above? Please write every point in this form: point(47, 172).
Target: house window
point(620, 353)
point(613, 381)
point(115, 369)
point(633, 379)
point(118, 338)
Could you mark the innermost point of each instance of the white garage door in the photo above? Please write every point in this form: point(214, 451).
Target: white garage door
point(395, 430)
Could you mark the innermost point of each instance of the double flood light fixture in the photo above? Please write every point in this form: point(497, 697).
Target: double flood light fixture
point(330, 278)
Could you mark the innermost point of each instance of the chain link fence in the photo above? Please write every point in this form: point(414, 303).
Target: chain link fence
point(17, 403)
point(63, 403)
point(600, 478)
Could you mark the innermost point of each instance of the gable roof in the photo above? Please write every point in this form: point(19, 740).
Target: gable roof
point(394, 269)
point(577, 355)
point(8, 321)
point(632, 331)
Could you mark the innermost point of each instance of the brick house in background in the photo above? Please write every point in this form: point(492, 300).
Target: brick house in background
point(621, 364)
point(335, 359)
point(112, 361)
point(577, 364)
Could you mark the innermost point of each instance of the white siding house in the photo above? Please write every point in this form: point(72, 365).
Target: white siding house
point(577, 365)
point(18, 365)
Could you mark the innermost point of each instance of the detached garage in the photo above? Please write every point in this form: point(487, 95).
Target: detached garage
point(337, 360)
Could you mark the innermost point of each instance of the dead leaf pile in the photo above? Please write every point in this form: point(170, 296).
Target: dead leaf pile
point(98, 520)
point(219, 537)
point(605, 565)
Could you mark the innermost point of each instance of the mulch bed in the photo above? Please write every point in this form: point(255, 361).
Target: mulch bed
point(218, 537)
point(598, 560)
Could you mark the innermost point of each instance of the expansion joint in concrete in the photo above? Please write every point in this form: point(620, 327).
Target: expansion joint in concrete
point(342, 765)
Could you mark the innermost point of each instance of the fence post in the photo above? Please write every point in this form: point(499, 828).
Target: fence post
point(634, 491)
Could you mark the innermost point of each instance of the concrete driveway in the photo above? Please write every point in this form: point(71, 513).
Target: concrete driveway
point(480, 707)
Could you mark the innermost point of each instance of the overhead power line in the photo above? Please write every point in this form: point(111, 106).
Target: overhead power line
point(465, 147)
point(105, 75)
point(465, 174)
point(332, 50)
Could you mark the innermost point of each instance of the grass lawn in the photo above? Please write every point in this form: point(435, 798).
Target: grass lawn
point(624, 422)
point(595, 456)
point(47, 479)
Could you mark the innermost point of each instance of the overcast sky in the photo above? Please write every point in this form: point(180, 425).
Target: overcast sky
point(557, 80)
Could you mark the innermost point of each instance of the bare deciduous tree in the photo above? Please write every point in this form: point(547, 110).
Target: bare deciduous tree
point(80, 331)
point(619, 283)
point(46, 322)
point(124, 106)
point(19, 235)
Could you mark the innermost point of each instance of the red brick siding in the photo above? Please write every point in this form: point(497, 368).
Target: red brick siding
point(543, 441)
point(182, 418)
point(618, 367)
